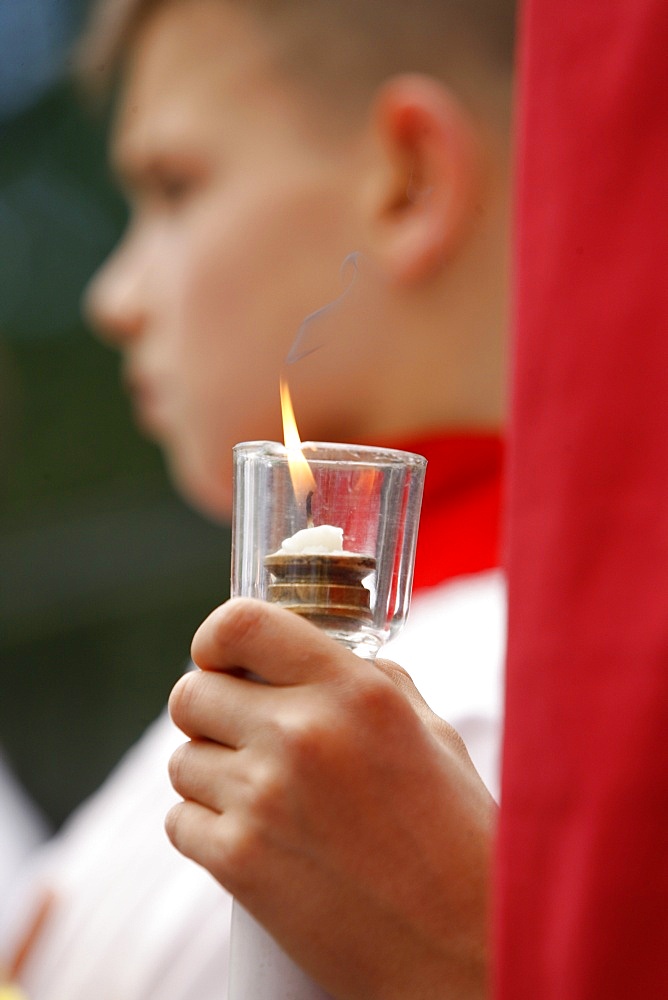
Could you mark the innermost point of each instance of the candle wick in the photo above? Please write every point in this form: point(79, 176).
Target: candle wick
point(309, 510)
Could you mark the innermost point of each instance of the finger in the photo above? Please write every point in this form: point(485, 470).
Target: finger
point(203, 772)
point(270, 642)
point(207, 705)
point(198, 833)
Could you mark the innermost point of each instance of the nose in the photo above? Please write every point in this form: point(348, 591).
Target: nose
point(113, 302)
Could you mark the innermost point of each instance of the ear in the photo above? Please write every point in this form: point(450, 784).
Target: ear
point(429, 176)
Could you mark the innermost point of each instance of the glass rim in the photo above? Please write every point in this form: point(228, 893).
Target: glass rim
point(348, 452)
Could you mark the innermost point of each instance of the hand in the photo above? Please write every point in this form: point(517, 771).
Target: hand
point(339, 810)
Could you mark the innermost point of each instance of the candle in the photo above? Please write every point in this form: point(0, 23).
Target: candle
point(317, 540)
point(313, 575)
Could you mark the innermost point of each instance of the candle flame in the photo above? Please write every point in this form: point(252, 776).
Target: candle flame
point(303, 482)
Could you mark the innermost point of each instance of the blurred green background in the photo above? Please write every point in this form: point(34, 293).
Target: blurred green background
point(104, 573)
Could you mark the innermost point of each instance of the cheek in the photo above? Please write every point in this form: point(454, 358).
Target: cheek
point(230, 345)
point(226, 361)
point(251, 271)
point(237, 319)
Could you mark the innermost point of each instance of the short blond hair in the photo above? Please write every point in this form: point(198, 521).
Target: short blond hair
point(340, 47)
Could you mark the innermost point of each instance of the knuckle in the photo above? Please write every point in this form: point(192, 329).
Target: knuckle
point(374, 697)
point(227, 627)
point(240, 856)
point(178, 767)
point(270, 794)
point(182, 698)
point(277, 788)
point(299, 736)
point(306, 737)
point(239, 620)
point(172, 824)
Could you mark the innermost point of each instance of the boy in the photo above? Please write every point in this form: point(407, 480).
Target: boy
point(259, 145)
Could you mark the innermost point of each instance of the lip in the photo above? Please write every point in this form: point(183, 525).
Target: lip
point(147, 403)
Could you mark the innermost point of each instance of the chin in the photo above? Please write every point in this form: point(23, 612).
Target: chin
point(207, 495)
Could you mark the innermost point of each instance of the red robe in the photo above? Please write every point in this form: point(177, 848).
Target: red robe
point(582, 894)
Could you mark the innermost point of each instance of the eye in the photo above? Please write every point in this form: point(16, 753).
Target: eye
point(172, 188)
point(160, 184)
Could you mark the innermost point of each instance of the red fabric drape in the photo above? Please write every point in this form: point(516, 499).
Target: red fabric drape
point(582, 885)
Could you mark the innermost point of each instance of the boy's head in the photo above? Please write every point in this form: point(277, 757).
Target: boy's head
point(260, 142)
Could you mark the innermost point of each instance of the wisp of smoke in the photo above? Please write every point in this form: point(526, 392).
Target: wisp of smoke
point(303, 344)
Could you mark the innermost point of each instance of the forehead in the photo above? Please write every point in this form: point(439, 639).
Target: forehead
point(191, 61)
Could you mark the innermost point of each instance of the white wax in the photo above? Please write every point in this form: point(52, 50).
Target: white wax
point(314, 541)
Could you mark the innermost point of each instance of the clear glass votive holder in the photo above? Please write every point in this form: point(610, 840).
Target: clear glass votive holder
point(334, 540)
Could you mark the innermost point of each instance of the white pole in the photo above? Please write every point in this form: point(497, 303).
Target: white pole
point(259, 969)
